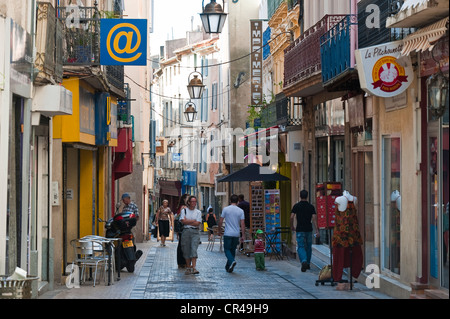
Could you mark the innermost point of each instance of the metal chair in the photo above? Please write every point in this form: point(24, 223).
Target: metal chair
point(111, 245)
point(216, 235)
point(90, 254)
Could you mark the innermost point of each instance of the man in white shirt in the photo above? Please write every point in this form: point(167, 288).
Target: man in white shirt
point(235, 219)
point(190, 238)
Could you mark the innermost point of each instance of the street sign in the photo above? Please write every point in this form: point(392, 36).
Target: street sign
point(123, 42)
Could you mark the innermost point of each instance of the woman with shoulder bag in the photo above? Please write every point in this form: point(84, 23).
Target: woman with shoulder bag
point(182, 204)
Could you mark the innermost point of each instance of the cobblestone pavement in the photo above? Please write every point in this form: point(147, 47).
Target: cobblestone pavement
point(158, 277)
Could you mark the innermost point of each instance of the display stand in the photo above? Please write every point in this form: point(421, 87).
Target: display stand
point(256, 214)
point(326, 194)
point(272, 220)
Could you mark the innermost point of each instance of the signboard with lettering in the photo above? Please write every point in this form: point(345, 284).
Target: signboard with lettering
point(123, 41)
point(256, 59)
point(383, 71)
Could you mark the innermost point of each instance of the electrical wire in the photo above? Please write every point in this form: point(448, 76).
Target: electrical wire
point(231, 61)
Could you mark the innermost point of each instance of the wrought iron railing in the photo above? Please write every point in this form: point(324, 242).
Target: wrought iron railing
point(82, 35)
point(124, 106)
point(335, 48)
point(277, 113)
point(49, 40)
point(302, 58)
point(115, 75)
point(272, 6)
point(394, 6)
point(292, 3)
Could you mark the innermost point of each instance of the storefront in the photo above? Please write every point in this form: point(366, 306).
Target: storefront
point(391, 134)
point(83, 154)
point(15, 146)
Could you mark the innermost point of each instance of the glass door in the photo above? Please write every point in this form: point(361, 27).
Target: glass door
point(438, 199)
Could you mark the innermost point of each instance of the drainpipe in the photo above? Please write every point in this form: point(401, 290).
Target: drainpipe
point(353, 32)
point(376, 179)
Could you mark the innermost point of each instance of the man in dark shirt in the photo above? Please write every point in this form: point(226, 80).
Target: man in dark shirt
point(305, 214)
point(245, 206)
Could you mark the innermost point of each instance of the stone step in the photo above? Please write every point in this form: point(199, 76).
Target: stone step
point(418, 296)
point(418, 288)
point(436, 294)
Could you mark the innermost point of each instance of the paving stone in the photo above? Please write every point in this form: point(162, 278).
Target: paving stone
point(158, 277)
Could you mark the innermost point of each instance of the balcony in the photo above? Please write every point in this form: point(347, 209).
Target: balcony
point(115, 76)
point(82, 35)
point(416, 13)
point(337, 46)
point(292, 3)
point(49, 40)
point(368, 35)
point(302, 64)
point(281, 112)
point(272, 7)
point(81, 49)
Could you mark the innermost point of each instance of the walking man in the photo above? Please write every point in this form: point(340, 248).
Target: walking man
point(234, 226)
point(305, 214)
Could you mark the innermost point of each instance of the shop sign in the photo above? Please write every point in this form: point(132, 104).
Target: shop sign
point(382, 70)
point(123, 41)
point(176, 157)
point(256, 38)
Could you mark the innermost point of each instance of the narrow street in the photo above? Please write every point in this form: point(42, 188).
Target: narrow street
point(157, 277)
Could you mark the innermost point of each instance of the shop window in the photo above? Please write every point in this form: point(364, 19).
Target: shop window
point(391, 199)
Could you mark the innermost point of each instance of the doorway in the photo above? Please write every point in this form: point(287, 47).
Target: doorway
point(438, 199)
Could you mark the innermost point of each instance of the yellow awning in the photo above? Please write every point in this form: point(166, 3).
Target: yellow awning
point(425, 38)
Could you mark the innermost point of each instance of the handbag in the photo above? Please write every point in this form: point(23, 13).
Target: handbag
point(178, 225)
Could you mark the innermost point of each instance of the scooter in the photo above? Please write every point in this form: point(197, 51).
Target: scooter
point(120, 226)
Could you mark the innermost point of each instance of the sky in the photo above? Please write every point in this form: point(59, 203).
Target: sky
point(173, 17)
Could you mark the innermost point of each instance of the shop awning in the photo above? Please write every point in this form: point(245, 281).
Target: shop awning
point(251, 173)
point(425, 38)
point(171, 188)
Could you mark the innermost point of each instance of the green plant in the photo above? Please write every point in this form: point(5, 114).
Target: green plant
point(254, 112)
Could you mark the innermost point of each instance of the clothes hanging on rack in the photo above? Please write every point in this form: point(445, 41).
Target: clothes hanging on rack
point(346, 238)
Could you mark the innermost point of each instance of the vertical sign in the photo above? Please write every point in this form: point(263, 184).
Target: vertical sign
point(256, 62)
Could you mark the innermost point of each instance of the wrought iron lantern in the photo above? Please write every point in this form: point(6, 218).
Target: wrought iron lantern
point(437, 94)
point(171, 146)
point(195, 86)
point(213, 17)
point(190, 112)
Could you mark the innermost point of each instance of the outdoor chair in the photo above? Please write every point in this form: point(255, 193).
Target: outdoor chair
point(215, 236)
point(91, 255)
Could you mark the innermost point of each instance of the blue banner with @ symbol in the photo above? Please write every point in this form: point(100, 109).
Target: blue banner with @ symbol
point(123, 42)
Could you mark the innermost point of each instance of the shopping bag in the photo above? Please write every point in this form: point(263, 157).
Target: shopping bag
point(325, 273)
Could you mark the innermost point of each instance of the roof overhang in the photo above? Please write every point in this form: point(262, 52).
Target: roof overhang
point(418, 13)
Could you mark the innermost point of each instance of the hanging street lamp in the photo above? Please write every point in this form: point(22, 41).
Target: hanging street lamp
point(213, 17)
point(195, 87)
point(190, 112)
point(171, 146)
